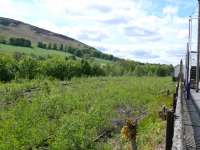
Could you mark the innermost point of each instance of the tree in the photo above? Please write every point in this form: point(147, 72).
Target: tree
point(78, 53)
point(59, 68)
point(85, 68)
point(162, 71)
point(12, 41)
point(55, 46)
point(96, 70)
point(61, 47)
point(39, 44)
point(49, 46)
point(27, 43)
point(42, 45)
point(70, 50)
point(139, 70)
point(19, 42)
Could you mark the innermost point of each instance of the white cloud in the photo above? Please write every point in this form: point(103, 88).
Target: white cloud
point(121, 27)
point(170, 10)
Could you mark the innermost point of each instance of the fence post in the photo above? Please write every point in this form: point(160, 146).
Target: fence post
point(169, 129)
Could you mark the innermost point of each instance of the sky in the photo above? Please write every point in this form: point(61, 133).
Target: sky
point(154, 31)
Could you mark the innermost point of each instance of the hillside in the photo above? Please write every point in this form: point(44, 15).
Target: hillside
point(12, 28)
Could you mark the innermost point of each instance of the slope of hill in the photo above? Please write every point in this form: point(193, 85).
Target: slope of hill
point(17, 29)
point(14, 28)
point(12, 50)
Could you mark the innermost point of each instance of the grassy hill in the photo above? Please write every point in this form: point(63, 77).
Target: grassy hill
point(10, 50)
point(10, 28)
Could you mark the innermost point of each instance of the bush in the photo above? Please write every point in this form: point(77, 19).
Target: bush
point(42, 45)
point(60, 69)
point(6, 69)
point(96, 70)
point(28, 68)
point(85, 68)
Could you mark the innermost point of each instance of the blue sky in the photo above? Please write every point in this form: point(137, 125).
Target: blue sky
point(144, 30)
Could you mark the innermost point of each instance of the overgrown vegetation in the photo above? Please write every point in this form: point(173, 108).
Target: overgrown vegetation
point(24, 66)
point(28, 67)
point(44, 114)
point(39, 111)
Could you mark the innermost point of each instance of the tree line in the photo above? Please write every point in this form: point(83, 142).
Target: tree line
point(82, 53)
point(31, 66)
point(16, 42)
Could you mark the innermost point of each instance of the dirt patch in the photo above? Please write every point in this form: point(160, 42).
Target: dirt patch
point(124, 112)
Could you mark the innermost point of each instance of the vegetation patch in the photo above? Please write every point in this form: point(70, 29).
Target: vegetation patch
point(32, 66)
point(71, 115)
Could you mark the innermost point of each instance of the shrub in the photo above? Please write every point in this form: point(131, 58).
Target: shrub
point(28, 68)
point(85, 68)
point(96, 70)
point(57, 68)
point(6, 69)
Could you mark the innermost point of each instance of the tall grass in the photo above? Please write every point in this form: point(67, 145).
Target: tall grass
point(41, 114)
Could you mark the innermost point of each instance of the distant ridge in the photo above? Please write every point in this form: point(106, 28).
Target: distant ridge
point(36, 34)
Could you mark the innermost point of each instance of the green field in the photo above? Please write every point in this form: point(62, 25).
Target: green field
point(9, 49)
point(69, 115)
point(35, 50)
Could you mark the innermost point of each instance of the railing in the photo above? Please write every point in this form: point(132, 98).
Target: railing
point(178, 122)
point(174, 130)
